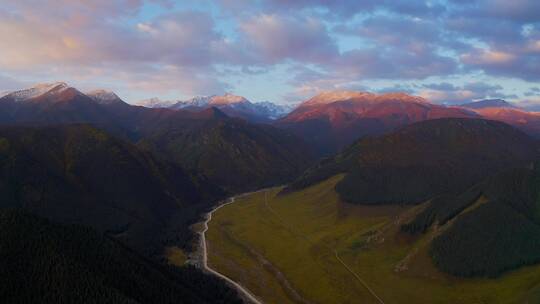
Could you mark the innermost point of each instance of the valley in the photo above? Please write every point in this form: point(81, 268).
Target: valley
point(200, 256)
point(306, 234)
point(269, 152)
point(408, 213)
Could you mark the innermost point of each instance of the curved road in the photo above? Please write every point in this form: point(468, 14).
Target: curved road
point(244, 291)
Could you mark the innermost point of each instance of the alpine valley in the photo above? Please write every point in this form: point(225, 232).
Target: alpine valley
point(270, 152)
point(409, 193)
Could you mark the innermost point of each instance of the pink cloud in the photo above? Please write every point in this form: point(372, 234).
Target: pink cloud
point(278, 38)
point(490, 57)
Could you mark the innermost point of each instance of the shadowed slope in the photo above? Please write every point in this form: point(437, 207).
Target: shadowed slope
point(232, 152)
point(79, 174)
point(501, 233)
point(423, 160)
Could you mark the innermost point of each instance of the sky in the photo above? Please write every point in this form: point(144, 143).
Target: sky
point(448, 51)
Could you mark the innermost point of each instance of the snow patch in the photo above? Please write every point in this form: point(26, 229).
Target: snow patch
point(104, 96)
point(38, 90)
point(227, 99)
point(334, 96)
point(154, 103)
point(212, 100)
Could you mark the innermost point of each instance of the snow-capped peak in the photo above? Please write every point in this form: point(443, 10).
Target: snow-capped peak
point(227, 99)
point(213, 100)
point(272, 110)
point(197, 101)
point(104, 96)
point(154, 103)
point(333, 96)
point(336, 96)
point(38, 90)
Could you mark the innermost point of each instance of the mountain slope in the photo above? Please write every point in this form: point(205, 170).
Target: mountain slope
point(528, 122)
point(423, 160)
point(42, 262)
point(500, 231)
point(104, 97)
point(79, 174)
point(52, 103)
point(332, 120)
point(232, 152)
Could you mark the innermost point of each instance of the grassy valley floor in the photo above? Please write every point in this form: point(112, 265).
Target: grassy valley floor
point(308, 247)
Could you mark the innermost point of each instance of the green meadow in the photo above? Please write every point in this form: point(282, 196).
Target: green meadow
point(308, 247)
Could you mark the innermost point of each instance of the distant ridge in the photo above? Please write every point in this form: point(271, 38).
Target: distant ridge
point(154, 103)
point(104, 97)
point(237, 154)
point(489, 103)
point(235, 106)
point(335, 119)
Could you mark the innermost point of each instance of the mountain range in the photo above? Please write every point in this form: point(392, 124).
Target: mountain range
point(232, 105)
point(137, 177)
point(195, 139)
point(332, 120)
point(327, 122)
point(89, 175)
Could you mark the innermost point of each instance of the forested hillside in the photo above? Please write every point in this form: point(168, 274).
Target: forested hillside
point(79, 174)
point(498, 233)
point(43, 262)
point(233, 153)
point(423, 160)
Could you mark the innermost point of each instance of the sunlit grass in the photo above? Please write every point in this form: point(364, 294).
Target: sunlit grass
point(297, 234)
point(175, 256)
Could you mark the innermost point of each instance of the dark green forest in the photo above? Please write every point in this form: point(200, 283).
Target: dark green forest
point(80, 174)
point(231, 152)
point(500, 234)
point(423, 160)
point(43, 262)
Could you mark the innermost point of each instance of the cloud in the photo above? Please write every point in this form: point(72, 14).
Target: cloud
point(533, 92)
point(451, 94)
point(515, 62)
point(336, 9)
point(88, 35)
point(278, 38)
point(186, 81)
point(392, 63)
point(504, 37)
point(394, 30)
point(515, 10)
point(9, 84)
point(338, 43)
point(398, 88)
point(185, 38)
